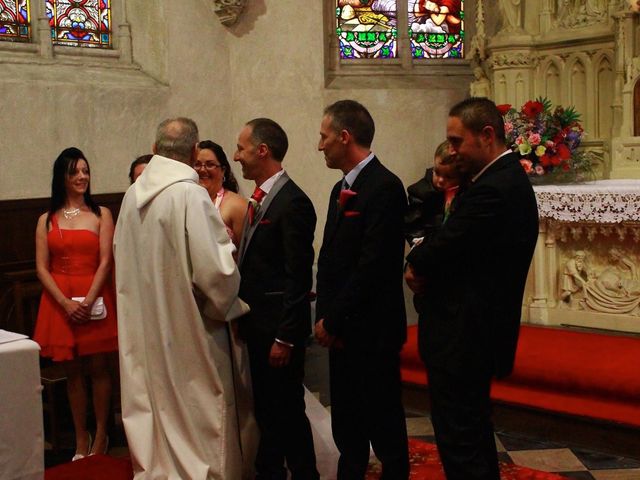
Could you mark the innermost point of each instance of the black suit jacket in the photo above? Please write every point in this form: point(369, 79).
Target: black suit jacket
point(360, 264)
point(276, 269)
point(476, 268)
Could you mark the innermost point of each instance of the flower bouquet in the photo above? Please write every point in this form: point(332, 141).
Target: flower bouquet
point(547, 140)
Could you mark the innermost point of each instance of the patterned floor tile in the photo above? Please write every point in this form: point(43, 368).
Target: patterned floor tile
point(601, 461)
point(632, 474)
point(513, 442)
point(548, 460)
point(577, 475)
point(419, 426)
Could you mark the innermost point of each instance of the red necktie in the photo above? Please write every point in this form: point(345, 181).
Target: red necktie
point(258, 195)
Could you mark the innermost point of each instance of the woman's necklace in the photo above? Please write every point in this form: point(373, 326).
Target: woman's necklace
point(70, 213)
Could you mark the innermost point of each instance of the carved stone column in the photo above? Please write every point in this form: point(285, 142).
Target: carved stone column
point(538, 312)
point(228, 10)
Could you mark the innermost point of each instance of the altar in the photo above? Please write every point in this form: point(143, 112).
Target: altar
point(585, 270)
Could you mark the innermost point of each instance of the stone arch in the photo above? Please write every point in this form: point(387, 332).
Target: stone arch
point(604, 77)
point(551, 80)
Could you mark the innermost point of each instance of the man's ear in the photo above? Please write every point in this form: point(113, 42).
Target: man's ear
point(194, 154)
point(263, 150)
point(488, 135)
point(154, 149)
point(345, 136)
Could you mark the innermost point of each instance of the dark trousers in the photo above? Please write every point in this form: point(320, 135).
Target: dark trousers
point(285, 433)
point(366, 406)
point(461, 417)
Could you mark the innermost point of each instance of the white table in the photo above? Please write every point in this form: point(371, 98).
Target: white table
point(21, 427)
point(591, 218)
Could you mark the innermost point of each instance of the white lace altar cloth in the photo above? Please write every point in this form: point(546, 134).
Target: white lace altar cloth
point(602, 201)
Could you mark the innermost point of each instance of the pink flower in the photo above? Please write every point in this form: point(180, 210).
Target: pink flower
point(527, 165)
point(534, 138)
point(344, 197)
point(508, 128)
point(539, 169)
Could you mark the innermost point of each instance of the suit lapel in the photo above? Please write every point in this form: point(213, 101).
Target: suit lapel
point(335, 219)
point(249, 230)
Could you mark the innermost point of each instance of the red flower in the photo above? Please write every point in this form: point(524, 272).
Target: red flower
point(556, 160)
point(345, 195)
point(565, 166)
point(504, 108)
point(545, 160)
point(531, 109)
point(563, 151)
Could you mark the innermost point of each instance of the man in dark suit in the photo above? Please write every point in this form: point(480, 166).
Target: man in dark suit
point(472, 273)
point(275, 260)
point(360, 312)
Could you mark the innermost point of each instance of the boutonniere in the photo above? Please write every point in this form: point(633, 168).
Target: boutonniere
point(345, 196)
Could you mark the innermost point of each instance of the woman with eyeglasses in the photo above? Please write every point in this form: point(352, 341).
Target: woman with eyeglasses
point(73, 260)
point(216, 176)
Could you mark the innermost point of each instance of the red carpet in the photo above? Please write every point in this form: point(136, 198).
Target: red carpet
point(425, 464)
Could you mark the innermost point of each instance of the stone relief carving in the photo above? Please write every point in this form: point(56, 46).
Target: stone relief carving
point(481, 86)
point(566, 232)
point(511, 15)
point(574, 278)
point(612, 288)
point(228, 10)
point(581, 13)
point(512, 60)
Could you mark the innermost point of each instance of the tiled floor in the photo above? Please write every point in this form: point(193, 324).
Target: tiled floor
point(536, 453)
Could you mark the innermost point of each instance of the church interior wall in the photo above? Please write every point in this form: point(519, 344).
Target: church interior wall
point(270, 63)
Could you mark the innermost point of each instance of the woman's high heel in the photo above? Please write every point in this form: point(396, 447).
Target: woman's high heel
point(79, 456)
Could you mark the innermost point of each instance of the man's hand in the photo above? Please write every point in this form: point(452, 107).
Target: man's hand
point(416, 283)
point(279, 355)
point(324, 338)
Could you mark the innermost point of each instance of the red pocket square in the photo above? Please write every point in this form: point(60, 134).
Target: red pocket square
point(266, 221)
point(351, 213)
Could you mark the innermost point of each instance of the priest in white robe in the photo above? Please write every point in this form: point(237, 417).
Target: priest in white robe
point(186, 398)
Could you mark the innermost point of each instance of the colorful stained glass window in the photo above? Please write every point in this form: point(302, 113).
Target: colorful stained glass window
point(14, 20)
point(80, 23)
point(436, 29)
point(367, 28)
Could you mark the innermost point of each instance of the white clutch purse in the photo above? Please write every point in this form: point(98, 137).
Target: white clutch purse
point(98, 311)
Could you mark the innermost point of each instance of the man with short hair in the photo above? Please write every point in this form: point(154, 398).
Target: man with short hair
point(275, 260)
point(360, 312)
point(472, 274)
point(177, 286)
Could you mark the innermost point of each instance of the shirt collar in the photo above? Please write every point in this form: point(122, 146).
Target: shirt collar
point(477, 175)
point(355, 171)
point(268, 183)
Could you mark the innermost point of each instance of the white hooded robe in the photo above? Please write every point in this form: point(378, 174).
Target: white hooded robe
point(186, 397)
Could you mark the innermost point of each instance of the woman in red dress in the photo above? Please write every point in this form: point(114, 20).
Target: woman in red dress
point(73, 261)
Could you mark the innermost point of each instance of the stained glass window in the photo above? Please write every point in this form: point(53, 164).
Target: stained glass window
point(436, 29)
point(80, 23)
point(14, 20)
point(367, 28)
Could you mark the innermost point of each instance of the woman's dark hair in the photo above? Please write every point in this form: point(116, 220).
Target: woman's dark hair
point(142, 159)
point(63, 166)
point(229, 182)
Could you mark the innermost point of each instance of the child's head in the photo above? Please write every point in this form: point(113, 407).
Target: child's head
point(446, 173)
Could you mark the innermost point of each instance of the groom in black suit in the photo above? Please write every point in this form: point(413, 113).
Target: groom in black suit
point(360, 313)
point(472, 273)
point(275, 260)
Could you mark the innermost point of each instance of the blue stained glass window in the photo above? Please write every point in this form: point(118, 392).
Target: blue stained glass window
point(14, 20)
point(80, 23)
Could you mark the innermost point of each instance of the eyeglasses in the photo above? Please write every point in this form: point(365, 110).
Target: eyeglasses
point(207, 165)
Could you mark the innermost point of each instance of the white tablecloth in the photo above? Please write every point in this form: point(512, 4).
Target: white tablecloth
point(21, 430)
point(602, 201)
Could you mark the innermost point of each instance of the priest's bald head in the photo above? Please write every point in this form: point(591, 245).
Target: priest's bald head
point(177, 138)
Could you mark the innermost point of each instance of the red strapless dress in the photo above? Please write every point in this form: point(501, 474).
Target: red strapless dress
point(74, 256)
